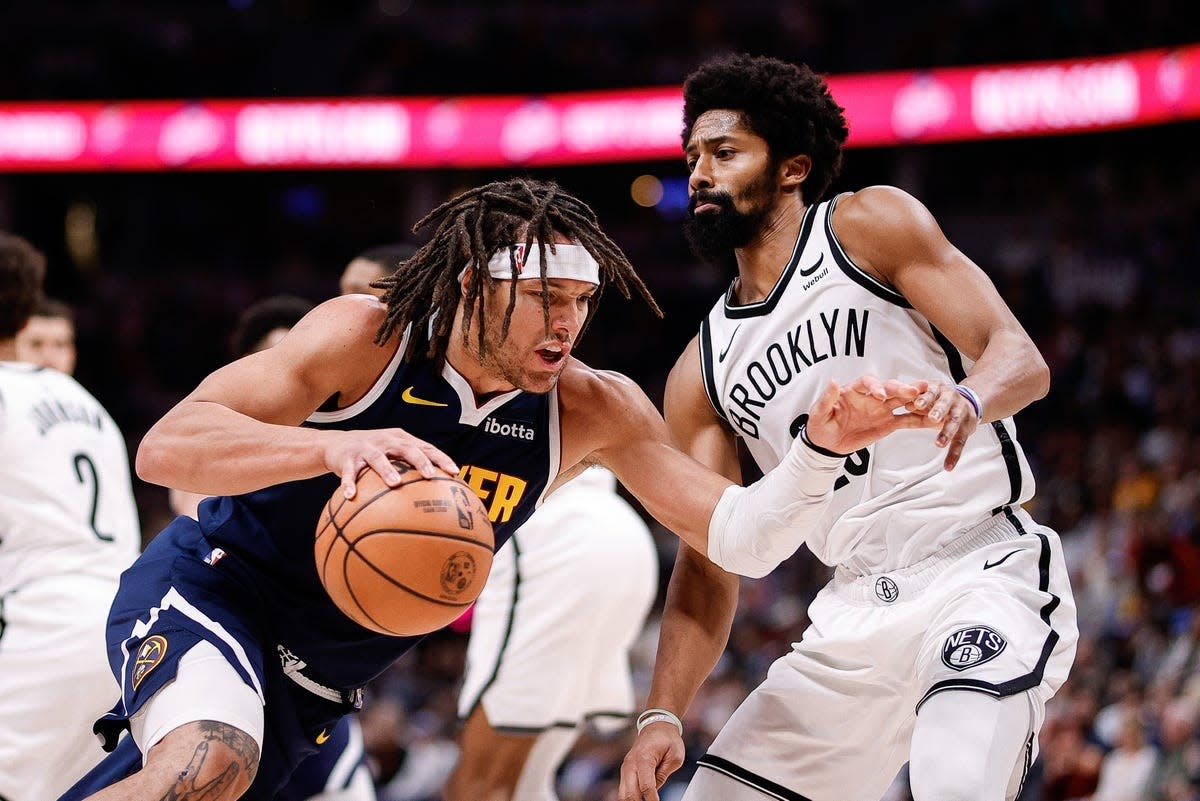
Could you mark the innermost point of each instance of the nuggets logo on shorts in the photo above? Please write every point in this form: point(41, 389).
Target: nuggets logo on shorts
point(972, 646)
point(149, 654)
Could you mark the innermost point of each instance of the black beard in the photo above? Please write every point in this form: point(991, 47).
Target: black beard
point(713, 235)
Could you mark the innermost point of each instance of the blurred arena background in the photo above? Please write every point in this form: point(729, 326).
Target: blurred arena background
point(1093, 239)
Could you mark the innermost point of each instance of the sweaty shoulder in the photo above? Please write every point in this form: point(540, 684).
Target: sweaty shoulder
point(882, 228)
point(586, 393)
point(339, 325)
point(345, 316)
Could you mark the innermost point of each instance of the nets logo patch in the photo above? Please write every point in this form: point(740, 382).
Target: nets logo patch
point(972, 646)
point(149, 654)
point(886, 590)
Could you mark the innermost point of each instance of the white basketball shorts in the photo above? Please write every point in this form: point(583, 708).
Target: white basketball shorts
point(56, 681)
point(992, 613)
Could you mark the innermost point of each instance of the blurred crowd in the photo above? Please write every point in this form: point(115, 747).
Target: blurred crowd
point(1093, 241)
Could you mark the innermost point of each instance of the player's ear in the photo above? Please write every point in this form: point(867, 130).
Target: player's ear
point(794, 170)
point(465, 278)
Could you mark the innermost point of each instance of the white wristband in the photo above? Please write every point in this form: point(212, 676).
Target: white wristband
point(655, 715)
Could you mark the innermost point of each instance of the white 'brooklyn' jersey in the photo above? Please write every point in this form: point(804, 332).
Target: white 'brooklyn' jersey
point(765, 363)
point(66, 504)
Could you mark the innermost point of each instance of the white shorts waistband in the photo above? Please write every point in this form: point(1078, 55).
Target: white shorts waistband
point(905, 583)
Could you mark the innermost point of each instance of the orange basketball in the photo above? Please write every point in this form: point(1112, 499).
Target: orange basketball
point(404, 560)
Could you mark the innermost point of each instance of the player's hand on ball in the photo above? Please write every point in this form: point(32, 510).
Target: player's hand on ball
point(656, 753)
point(348, 452)
point(406, 560)
point(844, 419)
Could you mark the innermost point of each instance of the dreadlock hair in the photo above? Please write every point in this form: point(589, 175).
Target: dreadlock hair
point(786, 104)
point(468, 230)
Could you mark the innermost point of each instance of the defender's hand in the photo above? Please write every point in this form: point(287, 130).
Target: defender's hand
point(944, 408)
point(843, 420)
point(656, 753)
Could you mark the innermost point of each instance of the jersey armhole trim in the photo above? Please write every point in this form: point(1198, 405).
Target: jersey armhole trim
point(855, 273)
point(707, 373)
point(363, 403)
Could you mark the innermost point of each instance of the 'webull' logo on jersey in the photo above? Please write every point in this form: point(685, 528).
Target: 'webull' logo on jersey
point(831, 335)
point(500, 492)
point(505, 428)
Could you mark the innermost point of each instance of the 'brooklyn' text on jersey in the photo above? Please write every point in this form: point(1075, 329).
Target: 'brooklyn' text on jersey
point(833, 334)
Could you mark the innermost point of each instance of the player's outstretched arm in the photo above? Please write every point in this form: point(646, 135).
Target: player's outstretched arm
point(607, 419)
point(240, 429)
point(755, 528)
point(893, 236)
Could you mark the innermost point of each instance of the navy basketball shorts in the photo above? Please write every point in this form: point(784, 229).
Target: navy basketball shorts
point(172, 599)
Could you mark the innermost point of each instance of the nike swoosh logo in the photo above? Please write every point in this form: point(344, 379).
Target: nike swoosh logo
point(408, 397)
point(814, 268)
point(721, 356)
point(323, 736)
point(989, 565)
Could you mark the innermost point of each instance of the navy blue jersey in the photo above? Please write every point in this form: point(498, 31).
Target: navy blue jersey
point(507, 451)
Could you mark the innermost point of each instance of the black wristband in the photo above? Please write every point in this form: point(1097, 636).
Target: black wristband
point(823, 451)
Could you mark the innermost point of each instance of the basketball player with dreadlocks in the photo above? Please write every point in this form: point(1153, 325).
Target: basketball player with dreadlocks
point(949, 620)
point(233, 661)
point(535, 679)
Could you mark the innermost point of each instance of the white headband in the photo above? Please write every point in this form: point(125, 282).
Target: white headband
point(565, 261)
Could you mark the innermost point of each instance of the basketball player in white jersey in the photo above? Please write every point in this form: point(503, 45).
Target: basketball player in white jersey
point(949, 621)
point(536, 675)
point(68, 527)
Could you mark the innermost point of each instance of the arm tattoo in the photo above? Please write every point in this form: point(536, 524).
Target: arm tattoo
point(192, 785)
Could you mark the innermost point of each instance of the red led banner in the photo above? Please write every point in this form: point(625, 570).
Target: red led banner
point(937, 105)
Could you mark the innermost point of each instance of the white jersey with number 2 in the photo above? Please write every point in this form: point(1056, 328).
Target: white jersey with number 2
point(65, 500)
